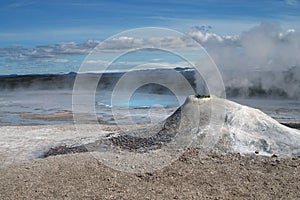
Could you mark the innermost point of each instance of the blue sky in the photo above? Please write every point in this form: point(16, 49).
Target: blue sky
point(39, 36)
point(31, 23)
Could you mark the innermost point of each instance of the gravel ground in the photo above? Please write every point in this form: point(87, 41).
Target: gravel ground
point(195, 175)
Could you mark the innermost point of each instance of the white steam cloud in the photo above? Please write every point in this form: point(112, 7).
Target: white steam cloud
point(266, 46)
point(263, 60)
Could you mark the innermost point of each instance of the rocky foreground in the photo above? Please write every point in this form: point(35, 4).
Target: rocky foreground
point(195, 175)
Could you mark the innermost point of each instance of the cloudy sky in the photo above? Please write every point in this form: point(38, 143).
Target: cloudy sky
point(39, 36)
point(33, 22)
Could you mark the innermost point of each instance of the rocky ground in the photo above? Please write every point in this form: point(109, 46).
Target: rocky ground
point(195, 175)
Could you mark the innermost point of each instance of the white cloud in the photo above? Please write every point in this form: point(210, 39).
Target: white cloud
point(291, 2)
point(60, 60)
point(266, 46)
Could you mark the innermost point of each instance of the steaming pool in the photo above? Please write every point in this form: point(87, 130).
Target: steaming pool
point(27, 107)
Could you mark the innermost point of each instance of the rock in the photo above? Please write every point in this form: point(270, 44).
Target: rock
point(65, 150)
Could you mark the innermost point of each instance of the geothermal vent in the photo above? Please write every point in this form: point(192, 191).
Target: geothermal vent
point(227, 126)
point(209, 123)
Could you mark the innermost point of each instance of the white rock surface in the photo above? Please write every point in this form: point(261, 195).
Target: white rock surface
point(237, 128)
